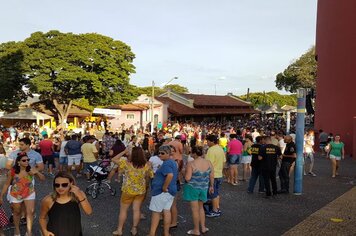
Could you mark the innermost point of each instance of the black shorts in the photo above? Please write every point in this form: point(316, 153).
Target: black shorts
point(49, 160)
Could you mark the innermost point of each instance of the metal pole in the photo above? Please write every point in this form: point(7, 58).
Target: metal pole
point(152, 106)
point(298, 172)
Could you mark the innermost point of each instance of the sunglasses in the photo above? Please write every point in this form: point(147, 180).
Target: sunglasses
point(25, 160)
point(64, 185)
point(162, 153)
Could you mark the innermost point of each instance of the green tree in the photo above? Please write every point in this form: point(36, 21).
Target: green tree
point(12, 79)
point(64, 67)
point(176, 88)
point(299, 74)
point(158, 90)
point(270, 98)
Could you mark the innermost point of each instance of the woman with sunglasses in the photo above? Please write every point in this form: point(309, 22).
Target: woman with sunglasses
point(22, 190)
point(62, 208)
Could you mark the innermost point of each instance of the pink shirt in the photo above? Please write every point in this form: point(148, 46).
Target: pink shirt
point(46, 147)
point(235, 147)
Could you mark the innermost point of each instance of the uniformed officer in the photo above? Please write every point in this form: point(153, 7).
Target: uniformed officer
point(288, 159)
point(268, 156)
point(256, 167)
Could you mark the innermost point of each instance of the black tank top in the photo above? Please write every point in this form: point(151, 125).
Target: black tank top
point(64, 219)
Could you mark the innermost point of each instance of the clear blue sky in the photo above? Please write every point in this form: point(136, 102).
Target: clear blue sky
point(228, 44)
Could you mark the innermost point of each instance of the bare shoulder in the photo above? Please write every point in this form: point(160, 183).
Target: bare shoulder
point(47, 200)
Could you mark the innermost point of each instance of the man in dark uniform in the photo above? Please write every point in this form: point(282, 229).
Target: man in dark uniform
point(268, 156)
point(256, 167)
point(288, 159)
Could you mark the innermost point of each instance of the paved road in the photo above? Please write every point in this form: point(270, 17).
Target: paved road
point(243, 214)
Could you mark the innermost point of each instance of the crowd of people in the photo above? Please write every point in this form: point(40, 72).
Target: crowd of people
point(180, 158)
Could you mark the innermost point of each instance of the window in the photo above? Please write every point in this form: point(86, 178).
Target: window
point(130, 116)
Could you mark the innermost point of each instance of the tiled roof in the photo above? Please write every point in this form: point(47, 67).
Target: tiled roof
point(214, 100)
point(179, 109)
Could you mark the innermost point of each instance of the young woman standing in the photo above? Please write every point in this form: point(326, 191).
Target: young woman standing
point(199, 173)
point(136, 171)
point(62, 208)
point(22, 190)
point(246, 158)
point(336, 152)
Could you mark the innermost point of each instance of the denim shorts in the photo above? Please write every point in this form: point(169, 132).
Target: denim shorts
point(234, 159)
point(63, 160)
point(217, 184)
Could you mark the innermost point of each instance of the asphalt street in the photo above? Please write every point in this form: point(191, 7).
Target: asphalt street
point(242, 213)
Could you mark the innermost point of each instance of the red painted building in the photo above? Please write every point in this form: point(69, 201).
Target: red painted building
point(336, 80)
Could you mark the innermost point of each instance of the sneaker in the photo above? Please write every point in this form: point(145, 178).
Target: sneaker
point(212, 214)
point(312, 174)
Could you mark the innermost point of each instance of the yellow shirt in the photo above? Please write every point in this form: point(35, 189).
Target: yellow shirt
point(223, 142)
point(216, 156)
point(135, 178)
point(88, 150)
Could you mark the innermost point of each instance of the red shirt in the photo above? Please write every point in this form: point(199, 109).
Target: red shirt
point(46, 147)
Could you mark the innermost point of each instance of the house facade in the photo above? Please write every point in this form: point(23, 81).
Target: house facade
point(138, 113)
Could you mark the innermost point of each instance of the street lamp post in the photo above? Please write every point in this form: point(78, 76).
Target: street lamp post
point(175, 77)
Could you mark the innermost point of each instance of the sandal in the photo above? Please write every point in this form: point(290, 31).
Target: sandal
point(191, 232)
point(206, 230)
point(134, 230)
point(116, 233)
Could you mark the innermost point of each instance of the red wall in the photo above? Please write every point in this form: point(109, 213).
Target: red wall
point(336, 82)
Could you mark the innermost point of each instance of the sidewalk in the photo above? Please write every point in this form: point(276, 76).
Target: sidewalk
point(336, 218)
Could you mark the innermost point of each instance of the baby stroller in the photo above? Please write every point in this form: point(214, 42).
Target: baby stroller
point(99, 174)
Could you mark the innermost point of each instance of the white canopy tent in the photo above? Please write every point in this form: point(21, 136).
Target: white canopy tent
point(27, 114)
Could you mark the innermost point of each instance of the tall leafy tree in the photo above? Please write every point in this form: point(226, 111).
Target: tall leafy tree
point(299, 74)
point(12, 78)
point(63, 67)
point(176, 88)
point(158, 90)
point(270, 98)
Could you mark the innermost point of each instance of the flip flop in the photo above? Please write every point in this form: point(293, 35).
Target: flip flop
point(206, 230)
point(191, 232)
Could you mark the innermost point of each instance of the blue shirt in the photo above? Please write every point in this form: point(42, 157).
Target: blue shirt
point(35, 157)
point(73, 147)
point(168, 167)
